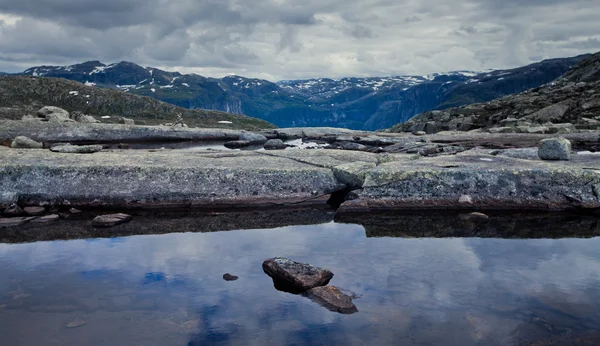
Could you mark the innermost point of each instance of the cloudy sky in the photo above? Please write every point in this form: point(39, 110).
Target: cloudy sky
point(287, 39)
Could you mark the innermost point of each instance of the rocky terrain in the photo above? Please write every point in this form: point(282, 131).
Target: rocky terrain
point(355, 103)
point(568, 104)
point(21, 96)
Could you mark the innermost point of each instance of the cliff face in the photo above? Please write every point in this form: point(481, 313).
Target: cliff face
point(22, 95)
point(573, 101)
point(356, 103)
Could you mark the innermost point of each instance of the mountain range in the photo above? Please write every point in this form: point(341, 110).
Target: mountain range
point(371, 103)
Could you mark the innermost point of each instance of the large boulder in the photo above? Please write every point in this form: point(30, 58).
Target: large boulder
point(333, 299)
point(292, 276)
point(274, 144)
point(555, 149)
point(22, 142)
point(54, 114)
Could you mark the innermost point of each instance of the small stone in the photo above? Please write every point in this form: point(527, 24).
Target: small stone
point(475, 216)
point(76, 323)
point(111, 220)
point(333, 299)
point(22, 142)
point(274, 144)
point(465, 199)
point(14, 210)
point(46, 219)
point(292, 276)
point(76, 149)
point(74, 211)
point(35, 211)
point(229, 277)
point(555, 149)
point(420, 133)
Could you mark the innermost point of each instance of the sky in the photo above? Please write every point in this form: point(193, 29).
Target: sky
point(295, 39)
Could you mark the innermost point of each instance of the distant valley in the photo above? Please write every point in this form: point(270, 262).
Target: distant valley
point(357, 103)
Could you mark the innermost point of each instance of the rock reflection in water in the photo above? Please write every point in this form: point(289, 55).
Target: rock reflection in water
point(168, 289)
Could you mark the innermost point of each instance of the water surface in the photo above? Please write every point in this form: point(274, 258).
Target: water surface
point(168, 290)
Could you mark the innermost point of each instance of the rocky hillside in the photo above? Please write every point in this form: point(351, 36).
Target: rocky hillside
point(355, 103)
point(25, 95)
point(568, 104)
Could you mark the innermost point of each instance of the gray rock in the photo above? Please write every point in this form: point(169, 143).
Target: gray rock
point(274, 144)
point(333, 299)
point(80, 117)
point(419, 133)
point(290, 275)
point(520, 153)
point(76, 149)
point(127, 121)
point(354, 146)
point(555, 149)
point(553, 113)
point(54, 114)
point(14, 221)
point(353, 174)
point(22, 142)
point(35, 211)
point(504, 129)
point(238, 144)
point(253, 138)
point(29, 117)
point(76, 132)
point(173, 178)
point(111, 220)
point(489, 182)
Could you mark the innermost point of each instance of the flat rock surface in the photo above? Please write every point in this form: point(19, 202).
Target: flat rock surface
point(481, 181)
point(292, 276)
point(333, 299)
point(80, 132)
point(136, 177)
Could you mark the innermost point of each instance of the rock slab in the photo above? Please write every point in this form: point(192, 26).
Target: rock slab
point(76, 149)
point(111, 220)
point(555, 149)
point(35, 211)
point(333, 299)
point(295, 276)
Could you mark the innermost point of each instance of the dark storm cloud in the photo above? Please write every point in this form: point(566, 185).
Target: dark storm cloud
point(296, 39)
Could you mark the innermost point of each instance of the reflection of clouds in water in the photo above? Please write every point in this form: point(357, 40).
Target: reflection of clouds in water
point(428, 288)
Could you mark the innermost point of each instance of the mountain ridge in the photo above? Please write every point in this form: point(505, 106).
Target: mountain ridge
point(368, 103)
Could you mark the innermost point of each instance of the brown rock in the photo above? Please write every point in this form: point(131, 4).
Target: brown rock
point(35, 211)
point(333, 299)
point(292, 276)
point(13, 210)
point(229, 277)
point(111, 220)
point(46, 219)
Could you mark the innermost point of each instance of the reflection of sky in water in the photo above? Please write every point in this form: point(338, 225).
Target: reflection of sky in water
point(168, 289)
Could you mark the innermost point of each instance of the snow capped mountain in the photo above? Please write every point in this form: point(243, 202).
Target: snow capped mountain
point(359, 103)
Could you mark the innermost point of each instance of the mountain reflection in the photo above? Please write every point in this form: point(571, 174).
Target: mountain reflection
point(168, 289)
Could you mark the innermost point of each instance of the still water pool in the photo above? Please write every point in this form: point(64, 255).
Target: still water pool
point(168, 290)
